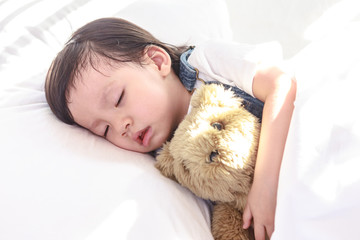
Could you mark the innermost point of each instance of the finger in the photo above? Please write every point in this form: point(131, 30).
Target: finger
point(247, 217)
point(259, 231)
point(270, 230)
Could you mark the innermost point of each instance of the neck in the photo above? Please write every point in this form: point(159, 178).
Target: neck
point(183, 97)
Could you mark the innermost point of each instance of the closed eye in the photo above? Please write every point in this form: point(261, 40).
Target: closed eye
point(120, 98)
point(106, 130)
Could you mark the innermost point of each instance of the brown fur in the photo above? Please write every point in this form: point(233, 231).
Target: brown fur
point(213, 154)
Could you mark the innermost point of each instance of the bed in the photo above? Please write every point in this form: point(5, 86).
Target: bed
point(61, 182)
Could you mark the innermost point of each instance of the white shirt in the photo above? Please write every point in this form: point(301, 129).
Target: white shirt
point(233, 63)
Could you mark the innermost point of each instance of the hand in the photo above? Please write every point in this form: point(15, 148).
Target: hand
point(260, 207)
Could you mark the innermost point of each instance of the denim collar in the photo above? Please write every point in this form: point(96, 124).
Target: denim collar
point(187, 74)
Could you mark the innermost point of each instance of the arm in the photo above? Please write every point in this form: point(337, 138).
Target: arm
point(277, 90)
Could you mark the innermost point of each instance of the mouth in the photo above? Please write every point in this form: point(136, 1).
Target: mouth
point(143, 136)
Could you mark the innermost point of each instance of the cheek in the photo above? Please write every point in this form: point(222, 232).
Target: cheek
point(151, 102)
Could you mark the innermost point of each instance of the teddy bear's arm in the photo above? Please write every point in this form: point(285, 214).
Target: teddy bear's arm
point(164, 162)
point(227, 223)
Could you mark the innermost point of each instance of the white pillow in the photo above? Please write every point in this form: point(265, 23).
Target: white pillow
point(62, 182)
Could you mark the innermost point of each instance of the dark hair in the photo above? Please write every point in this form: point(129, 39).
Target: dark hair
point(114, 39)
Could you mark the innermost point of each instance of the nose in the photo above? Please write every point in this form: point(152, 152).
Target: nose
point(123, 126)
point(126, 129)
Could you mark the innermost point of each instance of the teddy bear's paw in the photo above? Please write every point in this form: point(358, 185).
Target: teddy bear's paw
point(227, 224)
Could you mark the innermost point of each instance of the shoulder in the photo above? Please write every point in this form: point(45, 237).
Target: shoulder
point(233, 63)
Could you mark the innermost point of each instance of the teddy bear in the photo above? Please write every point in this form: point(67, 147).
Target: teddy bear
point(213, 153)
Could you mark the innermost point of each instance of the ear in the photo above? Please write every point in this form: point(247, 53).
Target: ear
point(160, 58)
point(164, 162)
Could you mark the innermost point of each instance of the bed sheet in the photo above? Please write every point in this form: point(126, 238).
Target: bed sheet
point(319, 185)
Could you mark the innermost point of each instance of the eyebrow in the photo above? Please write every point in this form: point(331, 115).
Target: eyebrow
point(107, 90)
point(104, 94)
point(102, 103)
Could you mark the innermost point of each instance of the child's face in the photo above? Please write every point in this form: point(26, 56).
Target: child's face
point(131, 106)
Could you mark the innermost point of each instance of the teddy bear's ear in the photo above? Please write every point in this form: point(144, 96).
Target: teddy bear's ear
point(164, 162)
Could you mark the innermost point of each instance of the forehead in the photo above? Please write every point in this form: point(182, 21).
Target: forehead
point(88, 80)
point(87, 90)
point(91, 66)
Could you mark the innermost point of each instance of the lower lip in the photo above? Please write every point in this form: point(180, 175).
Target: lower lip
point(147, 136)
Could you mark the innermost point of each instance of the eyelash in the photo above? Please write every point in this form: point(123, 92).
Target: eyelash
point(120, 98)
point(106, 130)
point(116, 105)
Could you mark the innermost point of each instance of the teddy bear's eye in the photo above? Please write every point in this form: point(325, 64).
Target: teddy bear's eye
point(217, 125)
point(213, 155)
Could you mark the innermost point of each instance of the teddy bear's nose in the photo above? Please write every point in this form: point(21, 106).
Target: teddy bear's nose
point(213, 155)
point(217, 125)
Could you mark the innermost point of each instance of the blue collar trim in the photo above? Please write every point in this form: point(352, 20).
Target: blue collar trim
point(187, 73)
